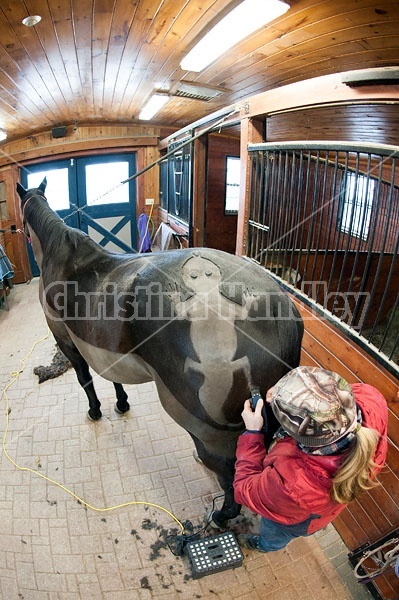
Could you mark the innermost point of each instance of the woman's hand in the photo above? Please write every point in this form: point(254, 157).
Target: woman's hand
point(253, 420)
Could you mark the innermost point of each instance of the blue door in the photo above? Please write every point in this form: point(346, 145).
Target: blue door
point(88, 194)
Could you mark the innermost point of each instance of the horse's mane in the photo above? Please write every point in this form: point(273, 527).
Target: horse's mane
point(53, 233)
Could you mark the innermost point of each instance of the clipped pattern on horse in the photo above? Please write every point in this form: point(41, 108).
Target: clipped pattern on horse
point(202, 324)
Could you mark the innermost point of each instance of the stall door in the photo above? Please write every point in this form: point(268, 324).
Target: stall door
point(88, 194)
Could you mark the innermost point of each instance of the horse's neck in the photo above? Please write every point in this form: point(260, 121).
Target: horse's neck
point(42, 219)
point(50, 237)
point(37, 248)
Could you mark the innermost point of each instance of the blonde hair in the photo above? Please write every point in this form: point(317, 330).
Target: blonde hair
point(357, 473)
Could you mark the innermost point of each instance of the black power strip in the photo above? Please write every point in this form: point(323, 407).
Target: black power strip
point(213, 554)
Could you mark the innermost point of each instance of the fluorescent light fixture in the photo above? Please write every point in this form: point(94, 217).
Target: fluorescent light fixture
point(3, 135)
point(155, 103)
point(246, 18)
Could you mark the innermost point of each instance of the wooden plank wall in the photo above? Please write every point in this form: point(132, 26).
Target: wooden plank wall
point(220, 229)
point(350, 123)
point(377, 512)
point(84, 139)
point(14, 243)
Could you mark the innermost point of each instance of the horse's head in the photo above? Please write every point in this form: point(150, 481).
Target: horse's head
point(26, 195)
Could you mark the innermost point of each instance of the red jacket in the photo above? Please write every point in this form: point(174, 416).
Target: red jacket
point(289, 486)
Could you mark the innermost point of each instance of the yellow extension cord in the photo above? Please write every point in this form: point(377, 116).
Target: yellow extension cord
point(14, 377)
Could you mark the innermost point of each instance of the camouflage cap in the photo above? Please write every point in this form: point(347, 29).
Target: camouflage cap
point(314, 406)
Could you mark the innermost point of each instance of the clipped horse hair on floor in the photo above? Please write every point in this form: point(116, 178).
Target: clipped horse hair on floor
point(59, 365)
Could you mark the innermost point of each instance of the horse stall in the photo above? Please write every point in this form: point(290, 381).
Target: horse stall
point(324, 220)
point(194, 185)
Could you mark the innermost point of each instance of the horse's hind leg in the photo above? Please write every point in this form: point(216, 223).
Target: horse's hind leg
point(122, 405)
point(83, 374)
point(230, 508)
point(224, 470)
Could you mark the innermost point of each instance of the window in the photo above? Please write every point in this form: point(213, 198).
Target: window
point(355, 205)
point(232, 191)
point(57, 189)
point(107, 177)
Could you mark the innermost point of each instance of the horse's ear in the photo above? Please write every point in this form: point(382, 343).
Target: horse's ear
point(43, 185)
point(21, 190)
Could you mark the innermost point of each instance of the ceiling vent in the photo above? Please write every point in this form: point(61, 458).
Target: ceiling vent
point(196, 91)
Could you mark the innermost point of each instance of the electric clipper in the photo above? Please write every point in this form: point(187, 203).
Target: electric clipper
point(255, 397)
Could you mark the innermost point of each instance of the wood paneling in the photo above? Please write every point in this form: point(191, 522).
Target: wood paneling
point(90, 61)
point(376, 513)
point(92, 139)
point(373, 123)
point(199, 190)
point(14, 243)
point(252, 132)
point(147, 184)
point(82, 139)
point(355, 364)
point(221, 229)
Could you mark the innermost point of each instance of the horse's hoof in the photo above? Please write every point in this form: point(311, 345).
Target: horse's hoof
point(92, 418)
point(197, 458)
point(119, 411)
point(212, 521)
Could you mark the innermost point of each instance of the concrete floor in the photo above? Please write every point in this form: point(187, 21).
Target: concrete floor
point(53, 547)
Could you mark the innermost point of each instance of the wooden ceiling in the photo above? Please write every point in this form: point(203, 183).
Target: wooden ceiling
point(97, 61)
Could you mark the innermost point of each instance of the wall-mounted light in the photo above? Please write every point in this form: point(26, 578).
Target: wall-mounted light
point(3, 135)
point(243, 20)
point(155, 103)
point(31, 21)
point(373, 76)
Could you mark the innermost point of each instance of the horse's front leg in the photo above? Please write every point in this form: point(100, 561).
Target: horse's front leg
point(224, 469)
point(122, 405)
point(83, 374)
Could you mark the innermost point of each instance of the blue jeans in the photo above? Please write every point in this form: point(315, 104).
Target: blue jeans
point(274, 536)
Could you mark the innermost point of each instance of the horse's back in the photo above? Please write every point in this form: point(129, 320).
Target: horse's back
point(224, 323)
point(203, 322)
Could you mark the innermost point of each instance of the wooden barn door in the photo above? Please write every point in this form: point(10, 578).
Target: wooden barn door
point(87, 193)
point(109, 208)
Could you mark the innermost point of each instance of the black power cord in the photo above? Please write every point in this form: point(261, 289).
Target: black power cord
point(177, 543)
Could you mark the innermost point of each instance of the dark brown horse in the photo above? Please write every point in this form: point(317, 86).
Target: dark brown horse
point(202, 324)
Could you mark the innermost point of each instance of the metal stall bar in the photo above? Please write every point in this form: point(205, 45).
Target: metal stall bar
point(329, 212)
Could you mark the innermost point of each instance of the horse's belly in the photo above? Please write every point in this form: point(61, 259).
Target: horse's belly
point(217, 442)
point(114, 366)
